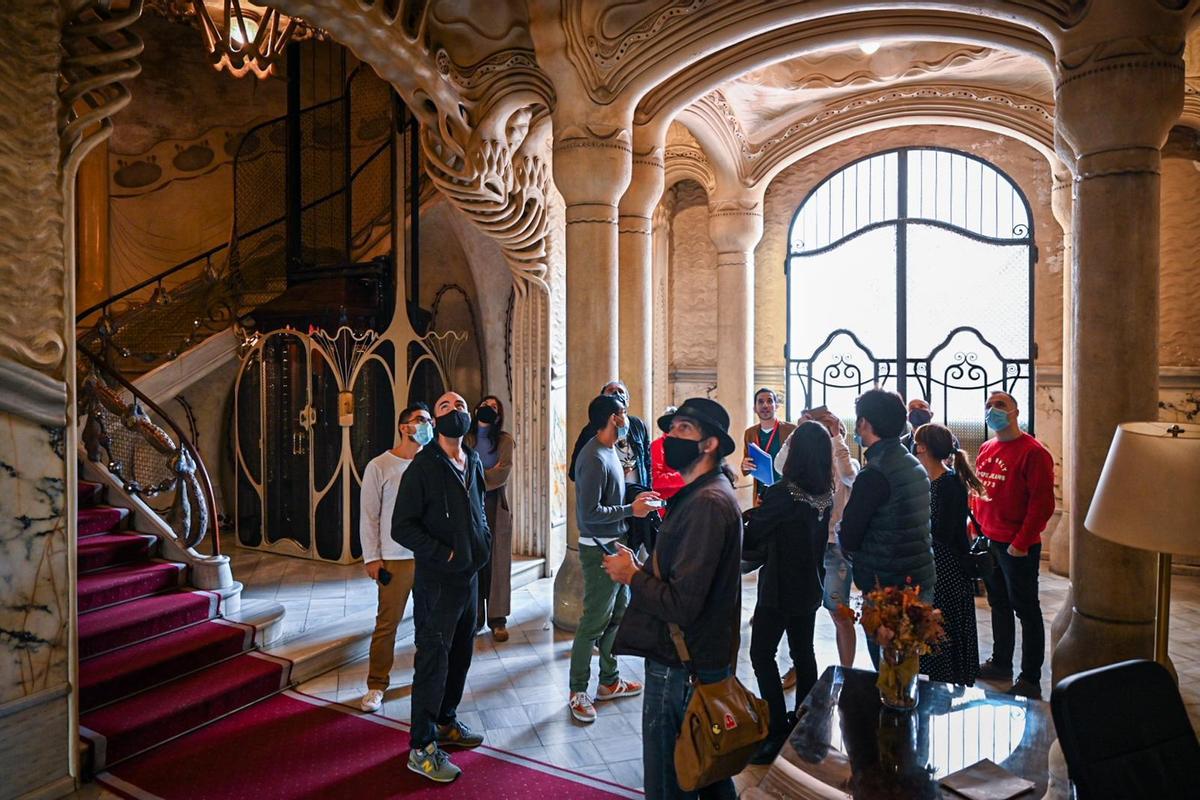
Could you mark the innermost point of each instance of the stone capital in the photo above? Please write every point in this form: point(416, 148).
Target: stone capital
point(646, 183)
point(1119, 87)
point(735, 226)
point(592, 165)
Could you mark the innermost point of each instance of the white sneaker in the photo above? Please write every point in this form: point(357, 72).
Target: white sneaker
point(372, 701)
point(582, 708)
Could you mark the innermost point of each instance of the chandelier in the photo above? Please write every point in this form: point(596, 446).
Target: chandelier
point(241, 37)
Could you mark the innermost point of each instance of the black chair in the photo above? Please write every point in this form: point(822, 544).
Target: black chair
point(1125, 733)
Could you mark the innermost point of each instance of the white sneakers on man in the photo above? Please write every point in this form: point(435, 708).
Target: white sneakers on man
point(372, 701)
point(582, 708)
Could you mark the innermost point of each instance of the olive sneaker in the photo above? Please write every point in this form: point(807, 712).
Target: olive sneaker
point(457, 734)
point(433, 763)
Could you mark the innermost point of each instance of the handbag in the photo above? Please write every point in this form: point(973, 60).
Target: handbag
point(978, 562)
point(723, 724)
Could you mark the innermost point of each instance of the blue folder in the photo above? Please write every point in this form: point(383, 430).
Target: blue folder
point(764, 465)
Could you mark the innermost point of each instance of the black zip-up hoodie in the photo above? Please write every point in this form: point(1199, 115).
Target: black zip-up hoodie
point(437, 513)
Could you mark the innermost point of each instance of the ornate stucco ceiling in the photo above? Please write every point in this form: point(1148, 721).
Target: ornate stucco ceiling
point(758, 117)
point(765, 100)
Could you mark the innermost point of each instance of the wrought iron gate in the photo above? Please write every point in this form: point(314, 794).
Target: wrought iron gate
point(912, 269)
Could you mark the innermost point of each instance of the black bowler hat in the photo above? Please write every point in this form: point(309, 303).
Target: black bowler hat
point(710, 414)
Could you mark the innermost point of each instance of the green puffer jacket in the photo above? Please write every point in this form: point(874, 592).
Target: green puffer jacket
point(898, 541)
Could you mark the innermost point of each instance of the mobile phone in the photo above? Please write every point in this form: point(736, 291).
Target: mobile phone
point(656, 503)
point(812, 412)
point(606, 547)
point(385, 577)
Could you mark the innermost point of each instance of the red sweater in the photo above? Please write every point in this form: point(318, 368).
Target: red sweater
point(1019, 478)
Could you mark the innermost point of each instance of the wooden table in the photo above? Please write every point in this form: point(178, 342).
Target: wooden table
point(847, 745)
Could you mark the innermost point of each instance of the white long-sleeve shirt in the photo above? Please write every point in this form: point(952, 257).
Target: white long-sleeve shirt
point(380, 481)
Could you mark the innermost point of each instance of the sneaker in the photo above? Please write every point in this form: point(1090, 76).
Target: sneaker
point(500, 634)
point(582, 708)
point(991, 671)
point(619, 689)
point(1024, 688)
point(433, 763)
point(789, 679)
point(457, 734)
point(372, 701)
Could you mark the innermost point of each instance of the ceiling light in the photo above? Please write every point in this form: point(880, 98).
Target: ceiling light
point(244, 37)
point(869, 47)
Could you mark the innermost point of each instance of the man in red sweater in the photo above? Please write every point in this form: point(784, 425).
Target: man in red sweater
point(1018, 473)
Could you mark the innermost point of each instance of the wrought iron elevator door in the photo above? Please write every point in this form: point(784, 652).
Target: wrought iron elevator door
point(912, 269)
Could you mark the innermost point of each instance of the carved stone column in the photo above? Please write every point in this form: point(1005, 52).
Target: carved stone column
point(592, 169)
point(660, 304)
point(636, 277)
point(735, 225)
point(1059, 543)
point(1120, 88)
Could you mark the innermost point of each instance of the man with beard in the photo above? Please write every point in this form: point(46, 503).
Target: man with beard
point(439, 516)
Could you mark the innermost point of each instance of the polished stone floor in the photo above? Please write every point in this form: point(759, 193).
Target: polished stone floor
point(517, 691)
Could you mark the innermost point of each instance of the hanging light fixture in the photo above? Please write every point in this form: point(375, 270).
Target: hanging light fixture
point(244, 37)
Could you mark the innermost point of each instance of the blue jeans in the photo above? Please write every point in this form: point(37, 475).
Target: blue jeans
point(666, 697)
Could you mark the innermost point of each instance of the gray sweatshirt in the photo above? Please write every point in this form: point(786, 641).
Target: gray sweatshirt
point(599, 494)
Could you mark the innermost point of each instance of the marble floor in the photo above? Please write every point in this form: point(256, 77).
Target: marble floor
point(517, 691)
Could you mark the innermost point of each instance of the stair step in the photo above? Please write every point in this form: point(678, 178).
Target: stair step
point(137, 667)
point(100, 519)
point(144, 720)
point(90, 493)
point(120, 625)
point(126, 582)
point(109, 549)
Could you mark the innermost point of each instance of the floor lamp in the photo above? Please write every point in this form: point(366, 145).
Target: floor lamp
point(1148, 497)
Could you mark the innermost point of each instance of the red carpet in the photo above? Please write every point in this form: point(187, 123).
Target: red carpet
point(155, 661)
point(295, 746)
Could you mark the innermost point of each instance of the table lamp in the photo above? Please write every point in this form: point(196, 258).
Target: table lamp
point(1148, 498)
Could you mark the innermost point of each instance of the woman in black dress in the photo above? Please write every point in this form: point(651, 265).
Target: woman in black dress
point(956, 659)
point(786, 535)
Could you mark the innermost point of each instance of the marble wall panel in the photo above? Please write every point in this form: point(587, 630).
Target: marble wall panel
point(34, 577)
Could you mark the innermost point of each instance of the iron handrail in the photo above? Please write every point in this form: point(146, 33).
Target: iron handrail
point(158, 278)
point(183, 442)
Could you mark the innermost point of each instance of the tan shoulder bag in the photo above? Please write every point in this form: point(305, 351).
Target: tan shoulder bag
point(723, 724)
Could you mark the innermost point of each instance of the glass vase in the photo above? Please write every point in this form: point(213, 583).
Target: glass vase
point(897, 683)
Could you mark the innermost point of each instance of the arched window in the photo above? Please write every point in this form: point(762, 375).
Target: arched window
point(913, 269)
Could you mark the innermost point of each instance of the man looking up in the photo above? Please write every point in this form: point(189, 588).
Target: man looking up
point(633, 448)
point(386, 562)
point(695, 584)
point(440, 517)
point(919, 413)
point(1018, 475)
point(601, 512)
point(769, 434)
point(885, 526)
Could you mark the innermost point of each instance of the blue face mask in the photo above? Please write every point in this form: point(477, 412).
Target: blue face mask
point(423, 435)
point(858, 439)
point(996, 419)
point(622, 431)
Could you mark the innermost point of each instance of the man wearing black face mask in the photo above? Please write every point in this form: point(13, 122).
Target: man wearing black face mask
point(439, 515)
point(693, 581)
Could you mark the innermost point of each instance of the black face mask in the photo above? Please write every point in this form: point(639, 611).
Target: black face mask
point(487, 415)
point(453, 424)
point(680, 453)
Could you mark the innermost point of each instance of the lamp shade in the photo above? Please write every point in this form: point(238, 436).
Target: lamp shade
point(1148, 496)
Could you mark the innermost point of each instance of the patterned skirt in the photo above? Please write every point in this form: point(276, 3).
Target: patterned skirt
point(956, 659)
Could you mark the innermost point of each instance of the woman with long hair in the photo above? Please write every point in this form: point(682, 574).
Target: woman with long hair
point(495, 448)
point(786, 534)
point(956, 659)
